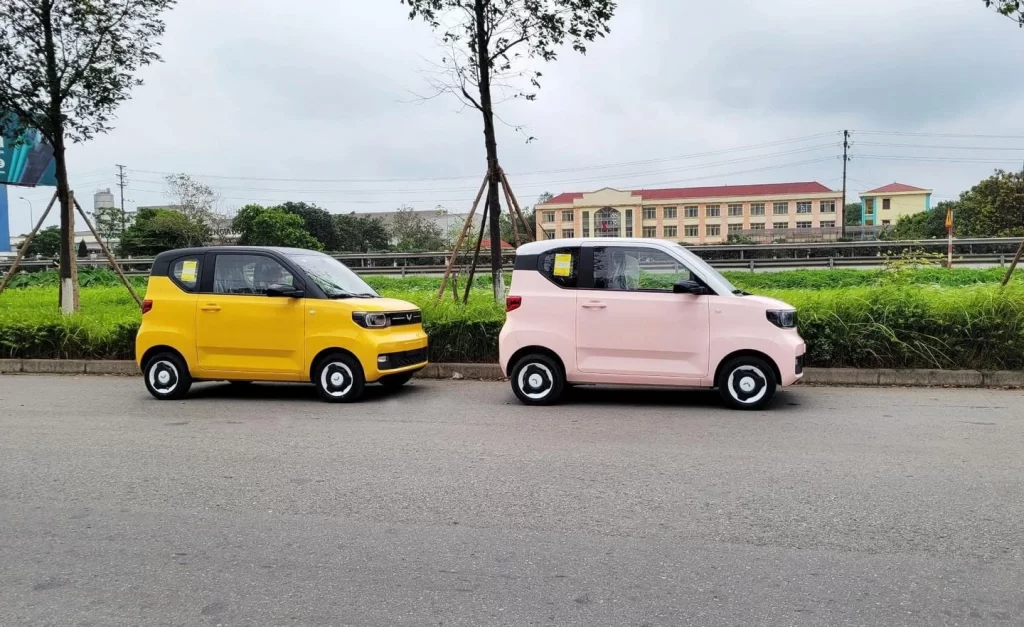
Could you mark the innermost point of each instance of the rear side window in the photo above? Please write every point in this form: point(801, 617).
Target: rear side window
point(185, 272)
point(561, 266)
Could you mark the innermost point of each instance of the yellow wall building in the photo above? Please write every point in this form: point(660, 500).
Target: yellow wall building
point(695, 215)
point(887, 204)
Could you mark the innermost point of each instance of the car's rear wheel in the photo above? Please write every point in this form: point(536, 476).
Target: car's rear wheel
point(167, 376)
point(538, 380)
point(395, 381)
point(339, 378)
point(747, 382)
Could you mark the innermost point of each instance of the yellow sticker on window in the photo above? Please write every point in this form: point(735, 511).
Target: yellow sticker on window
point(188, 271)
point(563, 264)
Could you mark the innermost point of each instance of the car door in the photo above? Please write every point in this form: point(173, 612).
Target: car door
point(630, 323)
point(241, 330)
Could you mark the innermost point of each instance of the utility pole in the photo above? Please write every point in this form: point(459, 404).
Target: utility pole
point(122, 180)
point(842, 212)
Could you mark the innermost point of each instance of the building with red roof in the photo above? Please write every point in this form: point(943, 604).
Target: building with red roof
point(695, 215)
point(884, 205)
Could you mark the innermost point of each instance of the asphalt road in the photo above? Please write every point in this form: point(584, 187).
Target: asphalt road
point(449, 504)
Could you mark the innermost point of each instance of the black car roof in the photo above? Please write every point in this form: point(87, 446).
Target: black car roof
point(161, 262)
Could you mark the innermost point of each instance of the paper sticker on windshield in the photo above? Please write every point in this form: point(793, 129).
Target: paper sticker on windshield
point(188, 271)
point(563, 264)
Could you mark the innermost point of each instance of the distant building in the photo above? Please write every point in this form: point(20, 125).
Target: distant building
point(697, 215)
point(889, 203)
point(448, 222)
point(103, 199)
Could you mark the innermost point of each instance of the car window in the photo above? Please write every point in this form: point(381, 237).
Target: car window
point(186, 273)
point(634, 268)
point(561, 266)
point(248, 274)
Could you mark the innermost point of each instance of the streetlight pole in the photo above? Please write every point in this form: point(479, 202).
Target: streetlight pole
point(31, 215)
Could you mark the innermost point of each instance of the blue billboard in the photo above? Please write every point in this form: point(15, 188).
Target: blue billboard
point(26, 160)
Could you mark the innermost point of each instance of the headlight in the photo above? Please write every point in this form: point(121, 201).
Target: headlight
point(782, 318)
point(371, 320)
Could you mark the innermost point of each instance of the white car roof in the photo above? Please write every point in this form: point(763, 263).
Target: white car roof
point(542, 246)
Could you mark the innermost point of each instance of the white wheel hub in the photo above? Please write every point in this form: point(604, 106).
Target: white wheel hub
point(747, 384)
point(535, 380)
point(163, 376)
point(336, 379)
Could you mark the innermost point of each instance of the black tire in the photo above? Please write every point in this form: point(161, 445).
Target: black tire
point(538, 380)
point(167, 377)
point(747, 383)
point(395, 381)
point(339, 378)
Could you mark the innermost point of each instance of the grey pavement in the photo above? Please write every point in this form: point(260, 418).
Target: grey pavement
point(447, 503)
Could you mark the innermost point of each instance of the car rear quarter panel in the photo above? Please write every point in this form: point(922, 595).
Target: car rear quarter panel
point(546, 318)
point(171, 322)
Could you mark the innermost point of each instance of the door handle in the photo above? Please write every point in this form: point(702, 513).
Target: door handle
point(594, 305)
point(210, 307)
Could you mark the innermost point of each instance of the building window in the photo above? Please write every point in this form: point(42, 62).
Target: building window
point(713, 230)
point(757, 209)
point(713, 211)
point(606, 222)
point(650, 213)
point(691, 211)
point(885, 223)
point(549, 233)
point(828, 224)
point(586, 224)
point(780, 225)
point(692, 231)
point(887, 203)
point(803, 207)
point(735, 229)
point(567, 233)
point(567, 215)
point(629, 223)
point(780, 208)
point(650, 231)
point(803, 225)
point(735, 210)
point(869, 206)
point(548, 216)
point(670, 231)
point(757, 226)
point(828, 206)
point(669, 213)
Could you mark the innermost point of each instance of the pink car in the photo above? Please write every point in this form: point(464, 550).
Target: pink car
point(641, 312)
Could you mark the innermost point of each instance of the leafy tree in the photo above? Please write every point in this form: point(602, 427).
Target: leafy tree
point(272, 226)
point(156, 230)
point(46, 243)
point(362, 234)
point(412, 232)
point(492, 43)
point(318, 222)
point(851, 214)
point(83, 249)
point(196, 201)
point(110, 222)
point(65, 67)
point(1013, 9)
point(530, 214)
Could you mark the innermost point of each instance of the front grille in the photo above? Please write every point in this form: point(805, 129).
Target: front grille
point(800, 364)
point(405, 317)
point(402, 359)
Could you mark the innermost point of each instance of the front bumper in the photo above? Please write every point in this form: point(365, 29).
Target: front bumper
point(397, 357)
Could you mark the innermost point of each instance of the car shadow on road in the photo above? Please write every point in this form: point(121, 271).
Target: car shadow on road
point(661, 397)
point(286, 392)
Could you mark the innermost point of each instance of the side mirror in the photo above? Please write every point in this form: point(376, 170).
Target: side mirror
point(286, 291)
point(689, 287)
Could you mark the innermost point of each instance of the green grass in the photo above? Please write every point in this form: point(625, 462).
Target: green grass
point(925, 318)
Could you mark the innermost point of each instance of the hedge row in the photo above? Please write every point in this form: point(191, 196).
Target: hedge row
point(978, 327)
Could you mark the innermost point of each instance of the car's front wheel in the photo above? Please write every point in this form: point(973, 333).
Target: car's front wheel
point(537, 380)
point(167, 377)
point(339, 378)
point(747, 382)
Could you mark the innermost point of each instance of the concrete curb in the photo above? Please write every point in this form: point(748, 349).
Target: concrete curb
point(867, 377)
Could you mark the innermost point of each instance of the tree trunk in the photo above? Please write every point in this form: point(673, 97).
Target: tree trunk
point(490, 142)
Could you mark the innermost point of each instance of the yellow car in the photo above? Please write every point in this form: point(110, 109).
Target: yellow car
point(245, 314)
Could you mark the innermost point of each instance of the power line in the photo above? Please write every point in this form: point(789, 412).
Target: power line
point(951, 135)
point(934, 159)
point(940, 147)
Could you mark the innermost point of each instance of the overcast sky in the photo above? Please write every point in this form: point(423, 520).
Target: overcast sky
point(315, 100)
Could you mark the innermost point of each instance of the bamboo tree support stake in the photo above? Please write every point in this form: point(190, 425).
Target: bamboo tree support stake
point(515, 203)
point(110, 256)
point(511, 212)
point(1013, 264)
point(24, 245)
point(458, 241)
point(476, 256)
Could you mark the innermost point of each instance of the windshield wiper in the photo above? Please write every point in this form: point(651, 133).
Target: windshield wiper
point(344, 294)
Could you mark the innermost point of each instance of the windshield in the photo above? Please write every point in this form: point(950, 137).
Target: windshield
point(718, 282)
point(332, 276)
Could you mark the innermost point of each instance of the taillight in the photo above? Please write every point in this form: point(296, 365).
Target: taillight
point(147, 305)
point(513, 302)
